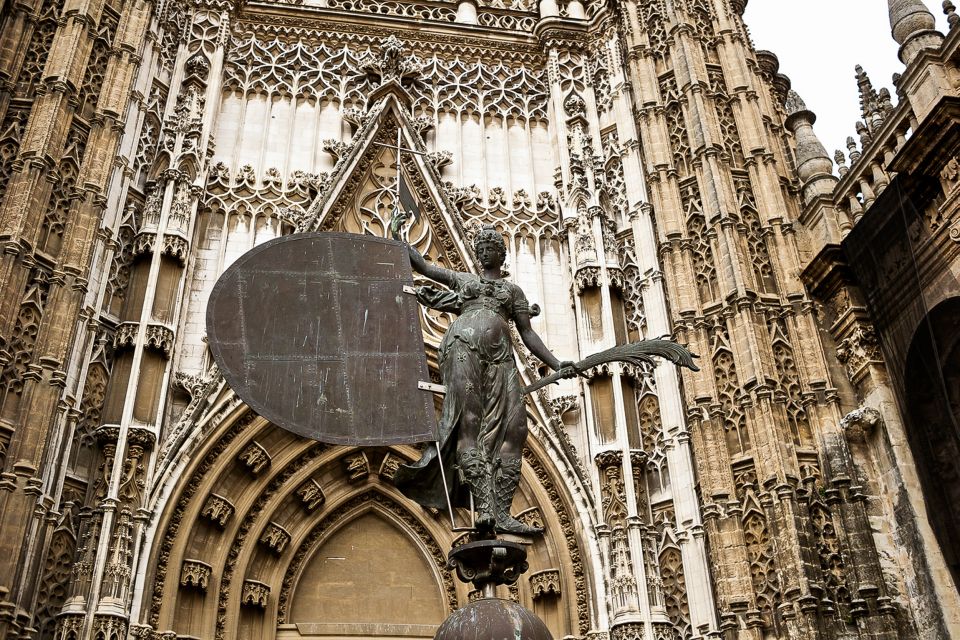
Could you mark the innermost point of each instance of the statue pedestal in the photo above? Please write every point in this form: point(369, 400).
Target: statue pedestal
point(485, 564)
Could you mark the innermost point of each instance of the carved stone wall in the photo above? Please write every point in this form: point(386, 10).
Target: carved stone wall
point(649, 170)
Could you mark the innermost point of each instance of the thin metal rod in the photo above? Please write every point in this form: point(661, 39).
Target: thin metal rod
point(390, 146)
point(396, 197)
point(446, 488)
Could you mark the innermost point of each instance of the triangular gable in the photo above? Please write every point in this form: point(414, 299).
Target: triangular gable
point(369, 164)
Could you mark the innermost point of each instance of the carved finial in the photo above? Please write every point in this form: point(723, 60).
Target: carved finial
point(863, 132)
point(869, 100)
point(852, 150)
point(841, 161)
point(794, 103)
point(913, 27)
point(886, 105)
point(813, 164)
point(391, 64)
point(950, 10)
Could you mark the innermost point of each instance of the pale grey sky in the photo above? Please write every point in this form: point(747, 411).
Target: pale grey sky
point(819, 42)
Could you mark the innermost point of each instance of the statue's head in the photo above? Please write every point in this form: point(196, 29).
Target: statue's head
point(488, 236)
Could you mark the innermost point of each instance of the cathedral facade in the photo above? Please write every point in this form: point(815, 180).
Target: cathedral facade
point(653, 175)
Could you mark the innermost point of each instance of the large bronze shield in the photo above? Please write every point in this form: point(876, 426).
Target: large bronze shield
point(315, 332)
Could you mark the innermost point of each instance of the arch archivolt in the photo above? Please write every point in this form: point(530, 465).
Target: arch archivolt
point(252, 503)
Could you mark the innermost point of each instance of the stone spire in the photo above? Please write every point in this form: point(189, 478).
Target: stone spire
point(814, 167)
point(869, 99)
point(913, 28)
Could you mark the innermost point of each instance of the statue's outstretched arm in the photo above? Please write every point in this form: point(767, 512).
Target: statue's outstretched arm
point(432, 271)
point(534, 343)
point(417, 261)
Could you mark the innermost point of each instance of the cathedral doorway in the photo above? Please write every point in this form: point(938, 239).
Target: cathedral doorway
point(368, 579)
point(932, 394)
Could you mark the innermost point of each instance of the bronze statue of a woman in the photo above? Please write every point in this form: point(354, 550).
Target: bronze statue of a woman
point(483, 423)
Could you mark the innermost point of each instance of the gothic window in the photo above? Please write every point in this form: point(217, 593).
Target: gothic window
point(756, 236)
point(704, 272)
point(600, 78)
point(632, 295)
point(148, 144)
point(591, 301)
point(763, 570)
point(172, 25)
point(674, 583)
point(728, 129)
point(730, 136)
point(650, 425)
point(119, 276)
point(22, 342)
point(651, 14)
point(11, 132)
point(604, 415)
point(91, 407)
point(38, 51)
point(676, 126)
point(728, 394)
point(89, 91)
point(702, 16)
point(789, 377)
point(57, 569)
point(63, 194)
point(614, 184)
point(828, 549)
point(931, 396)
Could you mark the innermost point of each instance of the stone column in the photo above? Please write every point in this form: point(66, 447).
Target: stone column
point(48, 253)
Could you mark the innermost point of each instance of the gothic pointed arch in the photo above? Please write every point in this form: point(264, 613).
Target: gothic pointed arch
point(932, 401)
point(245, 507)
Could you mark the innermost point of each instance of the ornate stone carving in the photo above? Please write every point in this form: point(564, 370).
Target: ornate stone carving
point(628, 631)
point(858, 350)
point(545, 583)
point(160, 338)
point(531, 517)
point(356, 466)
point(217, 509)
point(254, 457)
point(440, 159)
point(860, 424)
point(311, 494)
point(125, 335)
point(950, 176)
point(562, 404)
point(391, 65)
point(195, 574)
point(389, 466)
point(336, 148)
point(254, 594)
point(197, 385)
point(275, 537)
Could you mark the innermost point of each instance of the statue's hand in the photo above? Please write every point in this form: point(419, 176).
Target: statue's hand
point(568, 369)
point(396, 224)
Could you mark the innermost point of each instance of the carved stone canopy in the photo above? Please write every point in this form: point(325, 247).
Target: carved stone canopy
point(391, 64)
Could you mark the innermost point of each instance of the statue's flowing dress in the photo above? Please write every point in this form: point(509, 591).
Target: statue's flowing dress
point(481, 379)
